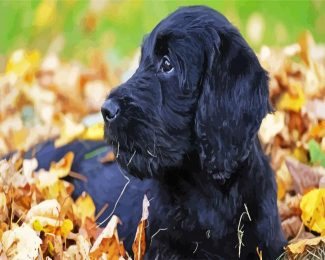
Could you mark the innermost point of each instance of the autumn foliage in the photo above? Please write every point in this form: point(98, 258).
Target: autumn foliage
point(44, 97)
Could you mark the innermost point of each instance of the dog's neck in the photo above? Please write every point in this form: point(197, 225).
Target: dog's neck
point(191, 171)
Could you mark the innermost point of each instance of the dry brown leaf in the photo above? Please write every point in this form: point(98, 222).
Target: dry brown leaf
point(315, 109)
point(305, 178)
point(291, 226)
point(299, 247)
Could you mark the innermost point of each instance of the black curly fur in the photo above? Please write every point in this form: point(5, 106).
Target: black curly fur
point(194, 130)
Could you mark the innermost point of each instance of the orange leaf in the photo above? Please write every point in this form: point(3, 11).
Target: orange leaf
point(62, 167)
point(108, 242)
point(109, 157)
point(139, 244)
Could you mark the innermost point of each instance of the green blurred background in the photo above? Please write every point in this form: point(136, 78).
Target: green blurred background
point(74, 28)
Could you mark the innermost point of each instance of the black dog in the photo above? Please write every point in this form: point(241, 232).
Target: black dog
point(188, 118)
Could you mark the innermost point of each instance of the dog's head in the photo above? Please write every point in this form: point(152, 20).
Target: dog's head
point(199, 88)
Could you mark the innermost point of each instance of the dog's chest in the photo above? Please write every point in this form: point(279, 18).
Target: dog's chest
point(196, 222)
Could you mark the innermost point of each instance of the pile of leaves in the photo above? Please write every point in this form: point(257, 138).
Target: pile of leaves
point(39, 218)
point(44, 97)
point(294, 137)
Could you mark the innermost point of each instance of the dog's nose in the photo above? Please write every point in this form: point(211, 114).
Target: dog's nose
point(110, 110)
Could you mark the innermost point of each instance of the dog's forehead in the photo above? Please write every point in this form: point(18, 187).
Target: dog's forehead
point(184, 21)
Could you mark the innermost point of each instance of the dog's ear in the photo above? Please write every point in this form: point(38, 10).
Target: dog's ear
point(233, 101)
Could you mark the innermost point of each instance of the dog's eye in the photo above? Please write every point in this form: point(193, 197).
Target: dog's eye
point(165, 65)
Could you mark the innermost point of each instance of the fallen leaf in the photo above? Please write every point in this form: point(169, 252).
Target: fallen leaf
point(21, 243)
point(62, 167)
point(108, 157)
point(299, 247)
point(290, 102)
point(284, 180)
point(291, 226)
point(318, 130)
point(66, 227)
point(315, 109)
point(3, 207)
point(108, 242)
point(69, 132)
point(305, 178)
point(46, 213)
point(313, 210)
point(139, 244)
point(94, 132)
point(85, 207)
point(78, 251)
point(271, 125)
point(317, 156)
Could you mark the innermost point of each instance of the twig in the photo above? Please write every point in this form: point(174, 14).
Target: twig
point(240, 231)
point(78, 176)
point(101, 211)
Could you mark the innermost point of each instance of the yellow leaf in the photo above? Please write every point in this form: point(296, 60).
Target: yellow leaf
point(85, 207)
point(300, 154)
point(290, 102)
point(94, 132)
point(19, 137)
point(48, 183)
point(69, 132)
point(66, 227)
point(62, 167)
point(23, 63)
point(313, 210)
point(50, 248)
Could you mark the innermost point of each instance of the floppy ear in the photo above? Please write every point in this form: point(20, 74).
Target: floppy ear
point(234, 100)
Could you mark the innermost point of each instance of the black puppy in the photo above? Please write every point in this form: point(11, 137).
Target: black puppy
point(188, 118)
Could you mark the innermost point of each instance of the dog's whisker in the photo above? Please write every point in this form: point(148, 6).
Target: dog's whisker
point(131, 158)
